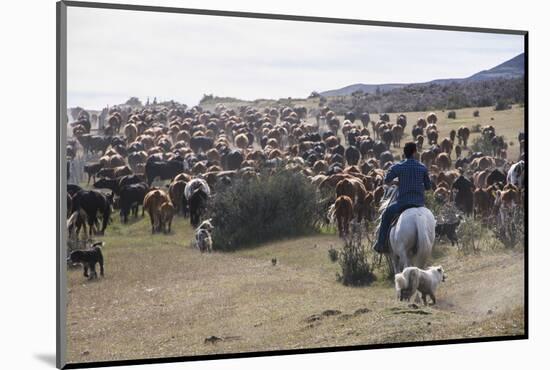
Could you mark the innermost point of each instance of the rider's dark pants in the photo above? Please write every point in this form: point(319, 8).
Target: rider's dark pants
point(387, 216)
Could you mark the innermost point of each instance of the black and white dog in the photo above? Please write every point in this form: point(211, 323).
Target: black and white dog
point(448, 230)
point(89, 258)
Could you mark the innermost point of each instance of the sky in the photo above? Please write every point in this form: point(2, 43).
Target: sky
point(115, 54)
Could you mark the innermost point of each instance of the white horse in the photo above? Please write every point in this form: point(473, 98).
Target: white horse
point(412, 237)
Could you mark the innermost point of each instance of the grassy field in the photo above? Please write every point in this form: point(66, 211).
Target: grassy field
point(160, 297)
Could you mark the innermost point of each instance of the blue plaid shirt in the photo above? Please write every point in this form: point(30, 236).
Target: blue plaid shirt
point(413, 181)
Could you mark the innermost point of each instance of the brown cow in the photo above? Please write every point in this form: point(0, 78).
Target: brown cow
point(176, 192)
point(351, 187)
point(343, 210)
point(151, 203)
point(483, 202)
point(458, 151)
point(167, 212)
point(121, 171)
point(397, 132)
point(446, 145)
point(463, 135)
point(480, 178)
point(443, 161)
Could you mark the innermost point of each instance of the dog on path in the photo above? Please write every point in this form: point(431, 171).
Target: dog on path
point(89, 258)
point(413, 279)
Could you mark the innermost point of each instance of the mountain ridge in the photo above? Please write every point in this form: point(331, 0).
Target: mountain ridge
point(512, 68)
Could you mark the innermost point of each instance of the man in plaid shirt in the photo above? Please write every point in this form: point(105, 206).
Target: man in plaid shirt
point(413, 181)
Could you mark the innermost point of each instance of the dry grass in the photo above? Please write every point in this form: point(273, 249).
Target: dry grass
point(161, 298)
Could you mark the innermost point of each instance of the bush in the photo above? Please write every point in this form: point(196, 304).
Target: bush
point(279, 205)
point(482, 144)
point(476, 113)
point(470, 235)
point(451, 115)
point(333, 254)
point(476, 128)
point(356, 270)
point(314, 94)
point(508, 227)
point(502, 105)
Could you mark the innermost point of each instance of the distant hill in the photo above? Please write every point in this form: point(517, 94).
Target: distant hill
point(513, 68)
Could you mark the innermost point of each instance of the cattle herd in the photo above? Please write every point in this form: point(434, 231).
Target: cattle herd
point(170, 160)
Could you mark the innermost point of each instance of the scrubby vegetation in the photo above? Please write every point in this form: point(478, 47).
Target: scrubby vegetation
point(273, 206)
point(356, 270)
point(471, 234)
point(423, 97)
point(483, 144)
point(508, 227)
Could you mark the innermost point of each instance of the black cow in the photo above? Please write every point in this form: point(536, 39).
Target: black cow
point(386, 157)
point(365, 146)
point(417, 131)
point(116, 184)
point(338, 149)
point(198, 143)
point(231, 160)
point(166, 170)
point(72, 189)
point(92, 169)
point(197, 205)
point(350, 116)
point(464, 199)
point(131, 196)
point(496, 176)
point(353, 155)
point(378, 148)
point(93, 202)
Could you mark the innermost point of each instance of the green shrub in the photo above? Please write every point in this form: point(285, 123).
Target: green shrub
point(476, 128)
point(356, 270)
point(476, 113)
point(483, 144)
point(333, 254)
point(502, 105)
point(508, 227)
point(471, 234)
point(451, 115)
point(274, 206)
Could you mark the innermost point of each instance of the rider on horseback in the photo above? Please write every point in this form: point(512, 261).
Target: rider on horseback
point(413, 181)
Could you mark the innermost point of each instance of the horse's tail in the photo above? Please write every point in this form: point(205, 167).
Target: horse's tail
point(423, 236)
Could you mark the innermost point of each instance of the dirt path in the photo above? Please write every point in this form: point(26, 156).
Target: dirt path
point(162, 298)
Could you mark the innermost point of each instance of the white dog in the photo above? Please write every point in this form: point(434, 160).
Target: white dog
point(413, 279)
